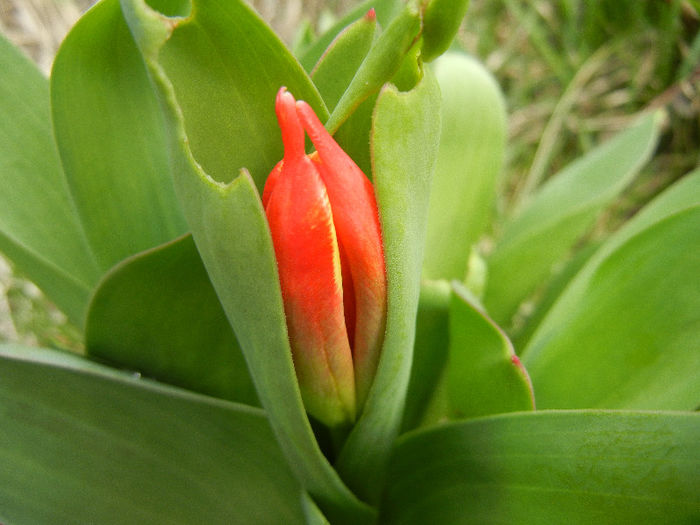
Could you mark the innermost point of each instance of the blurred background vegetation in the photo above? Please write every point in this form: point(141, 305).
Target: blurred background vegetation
point(573, 72)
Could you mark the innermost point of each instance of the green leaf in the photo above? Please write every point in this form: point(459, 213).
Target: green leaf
point(441, 22)
point(484, 374)
point(338, 65)
point(39, 227)
point(110, 135)
point(83, 443)
point(405, 136)
point(472, 142)
point(563, 209)
point(226, 66)
point(549, 467)
point(227, 220)
point(379, 66)
point(521, 336)
point(332, 75)
point(312, 513)
point(384, 9)
point(624, 333)
point(429, 351)
point(157, 313)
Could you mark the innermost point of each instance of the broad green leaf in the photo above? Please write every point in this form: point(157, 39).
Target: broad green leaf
point(521, 336)
point(405, 134)
point(472, 142)
point(339, 63)
point(384, 9)
point(157, 313)
point(354, 135)
point(484, 374)
point(39, 226)
point(549, 467)
point(379, 66)
point(441, 22)
point(226, 66)
point(561, 211)
point(624, 333)
point(333, 74)
point(227, 220)
point(111, 139)
point(312, 513)
point(83, 443)
point(429, 351)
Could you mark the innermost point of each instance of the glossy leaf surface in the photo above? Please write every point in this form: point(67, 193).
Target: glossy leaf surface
point(549, 467)
point(111, 138)
point(560, 212)
point(405, 133)
point(39, 227)
point(484, 374)
point(83, 443)
point(228, 221)
point(624, 333)
point(157, 313)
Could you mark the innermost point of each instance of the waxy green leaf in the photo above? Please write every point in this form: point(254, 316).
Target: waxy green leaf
point(83, 443)
point(484, 376)
point(158, 314)
point(441, 21)
point(550, 294)
point(338, 65)
point(405, 134)
point(430, 352)
point(472, 143)
point(215, 60)
point(560, 212)
point(111, 139)
point(624, 333)
point(384, 9)
point(379, 66)
point(574, 467)
point(39, 227)
point(227, 220)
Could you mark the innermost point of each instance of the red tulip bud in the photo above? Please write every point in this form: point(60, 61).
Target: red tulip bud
point(325, 229)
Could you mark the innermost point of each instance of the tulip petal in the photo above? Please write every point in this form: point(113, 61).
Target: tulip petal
point(308, 258)
point(356, 220)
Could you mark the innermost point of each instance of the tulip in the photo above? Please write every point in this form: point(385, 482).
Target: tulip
point(325, 229)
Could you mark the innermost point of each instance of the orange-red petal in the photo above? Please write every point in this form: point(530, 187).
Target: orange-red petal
point(306, 247)
point(356, 220)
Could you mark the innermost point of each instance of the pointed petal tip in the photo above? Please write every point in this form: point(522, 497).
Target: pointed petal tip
point(292, 130)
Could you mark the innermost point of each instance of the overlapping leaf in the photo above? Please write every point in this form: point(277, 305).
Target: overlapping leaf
point(217, 73)
point(472, 142)
point(430, 351)
point(39, 226)
point(157, 313)
point(484, 374)
point(560, 212)
point(82, 443)
point(111, 139)
point(405, 133)
point(573, 467)
point(624, 333)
